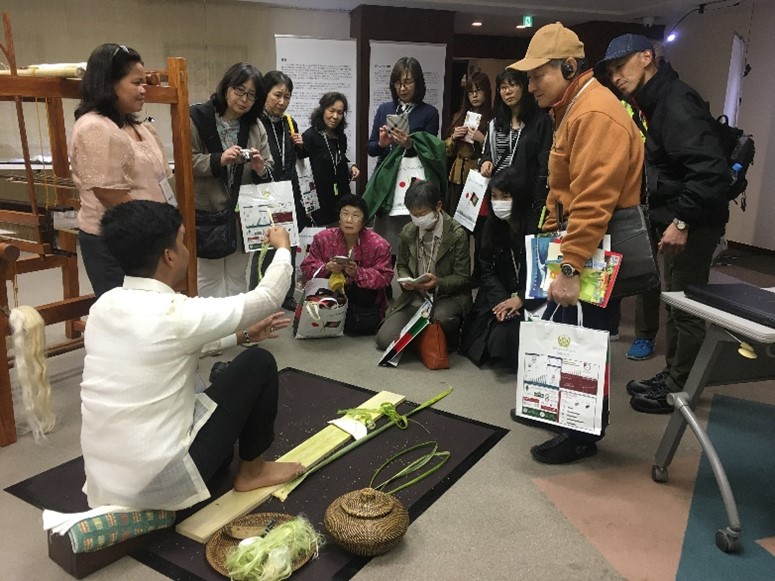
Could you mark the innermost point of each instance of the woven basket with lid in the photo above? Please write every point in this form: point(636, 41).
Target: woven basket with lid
point(366, 522)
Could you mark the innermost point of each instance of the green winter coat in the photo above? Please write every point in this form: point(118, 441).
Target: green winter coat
point(432, 154)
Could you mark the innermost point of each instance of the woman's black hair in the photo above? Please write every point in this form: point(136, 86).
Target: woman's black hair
point(527, 104)
point(107, 65)
point(422, 194)
point(273, 78)
point(237, 75)
point(411, 65)
point(316, 118)
point(477, 80)
point(355, 202)
point(497, 233)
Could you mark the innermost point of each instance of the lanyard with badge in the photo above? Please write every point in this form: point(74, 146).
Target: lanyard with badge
point(336, 159)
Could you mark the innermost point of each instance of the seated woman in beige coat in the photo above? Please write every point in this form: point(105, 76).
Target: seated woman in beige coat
point(432, 244)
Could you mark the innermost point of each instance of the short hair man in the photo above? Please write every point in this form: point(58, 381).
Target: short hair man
point(148, 440)
point(686, 179)
point(595, 167)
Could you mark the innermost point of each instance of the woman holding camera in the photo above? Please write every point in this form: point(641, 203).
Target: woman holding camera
point(229, 148)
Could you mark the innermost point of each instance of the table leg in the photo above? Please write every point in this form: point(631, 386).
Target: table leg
point(695, 384)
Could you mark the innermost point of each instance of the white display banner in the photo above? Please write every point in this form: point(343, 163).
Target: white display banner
point(317, 66)
point(432, 58)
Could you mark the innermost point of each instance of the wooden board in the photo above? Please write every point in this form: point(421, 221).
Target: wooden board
point(201, 525)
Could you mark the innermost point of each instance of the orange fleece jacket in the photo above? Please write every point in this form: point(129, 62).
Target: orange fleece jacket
point(595, 166)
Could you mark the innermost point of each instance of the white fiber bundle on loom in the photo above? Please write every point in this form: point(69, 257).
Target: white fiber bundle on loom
point(63, 70)
point(29, 344)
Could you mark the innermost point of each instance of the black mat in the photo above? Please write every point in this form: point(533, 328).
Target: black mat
point(307, 401)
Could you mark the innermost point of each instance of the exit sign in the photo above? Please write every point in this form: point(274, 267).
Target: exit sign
point(527, 21)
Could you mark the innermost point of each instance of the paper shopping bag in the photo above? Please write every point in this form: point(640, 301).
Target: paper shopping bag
point(562, 375)
point(309, 196)
point(265, 205)
point(411, 169)
point(471, 200)
point(414, 327)
point(322, 312)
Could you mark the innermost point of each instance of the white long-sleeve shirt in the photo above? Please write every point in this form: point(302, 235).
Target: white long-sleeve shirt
point(140, 412)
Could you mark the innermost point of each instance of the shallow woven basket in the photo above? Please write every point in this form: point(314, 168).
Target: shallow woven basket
point(366, 522)
point(221, 542)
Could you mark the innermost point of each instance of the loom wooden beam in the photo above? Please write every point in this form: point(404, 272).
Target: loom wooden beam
point(184, 165)
point(201, 525)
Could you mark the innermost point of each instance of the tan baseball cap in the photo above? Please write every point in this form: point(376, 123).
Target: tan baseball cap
point(550, 42)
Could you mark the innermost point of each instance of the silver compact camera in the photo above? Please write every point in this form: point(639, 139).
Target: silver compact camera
point(244, 155)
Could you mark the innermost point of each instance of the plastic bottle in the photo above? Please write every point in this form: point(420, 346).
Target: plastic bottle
point(736, 167)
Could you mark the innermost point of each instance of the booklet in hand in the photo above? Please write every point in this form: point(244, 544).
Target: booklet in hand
point(419, 280)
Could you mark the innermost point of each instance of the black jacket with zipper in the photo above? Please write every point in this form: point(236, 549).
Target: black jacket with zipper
point(686, 170)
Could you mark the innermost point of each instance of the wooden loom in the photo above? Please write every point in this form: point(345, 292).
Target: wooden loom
point(28, 227)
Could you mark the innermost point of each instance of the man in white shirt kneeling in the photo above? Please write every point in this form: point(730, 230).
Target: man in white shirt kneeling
point(148, 440)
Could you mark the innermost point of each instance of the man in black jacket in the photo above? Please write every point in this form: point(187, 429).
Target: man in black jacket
point(686, 180)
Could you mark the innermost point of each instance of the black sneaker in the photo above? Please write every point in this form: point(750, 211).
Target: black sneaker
point(654, 401)
point(639, 387)
point(562, 450)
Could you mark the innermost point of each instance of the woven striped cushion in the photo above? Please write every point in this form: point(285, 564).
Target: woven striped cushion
point(93, 534)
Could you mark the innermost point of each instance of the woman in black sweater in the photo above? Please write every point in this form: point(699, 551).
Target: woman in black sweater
point(326, 145)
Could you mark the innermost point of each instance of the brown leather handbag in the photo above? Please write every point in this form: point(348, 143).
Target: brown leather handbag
point(432, 345)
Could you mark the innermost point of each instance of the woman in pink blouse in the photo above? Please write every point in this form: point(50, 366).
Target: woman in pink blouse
point(364, 259)
point(114, 157)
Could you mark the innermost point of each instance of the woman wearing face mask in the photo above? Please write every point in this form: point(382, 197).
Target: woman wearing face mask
point(492, 328)
point(221, 130)
point(326, 144)
point(465, 155)
point(287, 146)
point(115, 158)
point(432, 244)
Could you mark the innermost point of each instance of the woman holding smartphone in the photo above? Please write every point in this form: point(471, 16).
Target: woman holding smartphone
point(362, 256)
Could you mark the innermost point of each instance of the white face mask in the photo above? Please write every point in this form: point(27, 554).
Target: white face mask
point(425, 222)
point(502, 209)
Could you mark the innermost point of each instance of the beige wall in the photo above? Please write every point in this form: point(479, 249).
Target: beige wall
point(210, 34)
point(701, 57)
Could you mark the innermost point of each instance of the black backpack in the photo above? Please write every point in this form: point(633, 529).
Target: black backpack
point(739, 150)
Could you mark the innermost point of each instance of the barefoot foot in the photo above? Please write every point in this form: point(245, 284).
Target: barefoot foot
point(259, 473)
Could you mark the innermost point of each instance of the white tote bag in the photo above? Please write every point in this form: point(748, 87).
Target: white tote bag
point(471, 200)
point(562, 374)
point(319, 315)
point(265, 205)
point(411, 168)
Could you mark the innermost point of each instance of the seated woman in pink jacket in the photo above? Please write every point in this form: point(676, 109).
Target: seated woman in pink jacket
point(363, 256)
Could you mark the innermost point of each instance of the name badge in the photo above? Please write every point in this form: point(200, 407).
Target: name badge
point(166, 189)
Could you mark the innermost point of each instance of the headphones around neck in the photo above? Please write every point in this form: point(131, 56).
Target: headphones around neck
point(567, 70)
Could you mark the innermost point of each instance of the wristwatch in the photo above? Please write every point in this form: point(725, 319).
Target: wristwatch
point(568, 270)
point(680, 224)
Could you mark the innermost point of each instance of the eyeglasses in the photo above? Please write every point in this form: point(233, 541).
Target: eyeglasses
point(347, 217)
point(240, 92)
point(504, 88)
point(475, 91)
point(405, 83)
